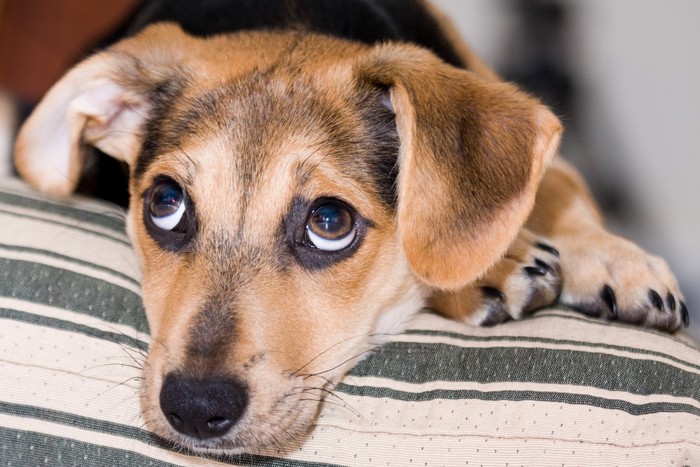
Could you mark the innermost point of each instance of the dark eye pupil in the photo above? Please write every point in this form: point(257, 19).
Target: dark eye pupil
point(165, 199)
point(331, 222)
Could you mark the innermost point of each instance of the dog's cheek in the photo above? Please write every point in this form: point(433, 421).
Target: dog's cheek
point(149, 290)
point(344, 307)
point(145, 255)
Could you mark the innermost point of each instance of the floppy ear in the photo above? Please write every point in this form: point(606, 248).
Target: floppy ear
point(102, 102)
point(472, 153)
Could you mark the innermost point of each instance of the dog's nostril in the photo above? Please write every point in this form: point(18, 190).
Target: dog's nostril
point(203, 408)
point(219, 424)
point(175, 421)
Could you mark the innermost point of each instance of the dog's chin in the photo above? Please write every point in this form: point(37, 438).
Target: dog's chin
point(244, 441)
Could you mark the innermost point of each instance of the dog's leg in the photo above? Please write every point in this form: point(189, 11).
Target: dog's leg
point(565, 250)
point(603, 274)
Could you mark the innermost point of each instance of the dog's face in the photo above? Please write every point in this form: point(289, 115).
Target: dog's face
point(264, 220)
point(293, 199)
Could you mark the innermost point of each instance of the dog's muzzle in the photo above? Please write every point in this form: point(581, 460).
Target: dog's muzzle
point(202, 408)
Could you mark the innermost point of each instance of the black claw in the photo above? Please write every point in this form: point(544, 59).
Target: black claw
point(671, 301)
point(535, 270)
point(496, 315)
point(608, 296)
point(685, 316)
point(656, 300)
point(492, 292)
point(549, 248)
point(544, 265)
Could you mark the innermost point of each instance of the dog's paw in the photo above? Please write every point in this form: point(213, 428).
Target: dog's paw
point(526, 279)
point(609, 277)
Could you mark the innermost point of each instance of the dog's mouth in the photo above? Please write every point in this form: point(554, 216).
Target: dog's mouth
point(217, 415)
point(249, 411)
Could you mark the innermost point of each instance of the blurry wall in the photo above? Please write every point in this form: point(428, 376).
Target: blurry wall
point(40, 39)
point(633, 116)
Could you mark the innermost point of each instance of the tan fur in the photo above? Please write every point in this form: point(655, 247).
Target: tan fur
point(472, 155)
point(503, 167)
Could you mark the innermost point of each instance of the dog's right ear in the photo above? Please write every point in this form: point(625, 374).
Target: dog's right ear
point(102, 102)
point(472, 154)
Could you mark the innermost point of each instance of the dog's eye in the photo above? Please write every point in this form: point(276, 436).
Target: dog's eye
point(331, 227)
point(166, 205)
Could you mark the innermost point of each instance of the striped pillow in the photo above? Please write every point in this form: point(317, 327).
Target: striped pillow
point(557, 389)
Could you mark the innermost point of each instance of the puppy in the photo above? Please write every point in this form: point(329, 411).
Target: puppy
point(304, 177)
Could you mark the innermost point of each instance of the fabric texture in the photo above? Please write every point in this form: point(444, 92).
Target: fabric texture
point(558, 389)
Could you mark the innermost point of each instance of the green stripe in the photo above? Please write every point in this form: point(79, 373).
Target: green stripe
point(73, 452)
point(109, 219)
point(576, 315)
point(70, 259)
point(79, 421)
point(544, 340)
point(519, 396)
point(61, 288)
point(28, 448)
point(120, 238)
point(115, 337)
point(420, 363)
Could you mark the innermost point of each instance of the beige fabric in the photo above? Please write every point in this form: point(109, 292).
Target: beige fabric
point(557, 389)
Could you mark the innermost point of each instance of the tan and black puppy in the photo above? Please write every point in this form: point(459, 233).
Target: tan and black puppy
point(299, 191)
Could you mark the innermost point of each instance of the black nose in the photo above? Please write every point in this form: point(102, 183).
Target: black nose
point(202, 408)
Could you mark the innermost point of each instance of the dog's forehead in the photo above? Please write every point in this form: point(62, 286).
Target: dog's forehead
point(242, 75)
point(266, 133)
point(258, 126)
point(251, 112)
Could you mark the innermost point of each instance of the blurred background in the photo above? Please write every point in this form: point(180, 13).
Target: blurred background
point(623, 75)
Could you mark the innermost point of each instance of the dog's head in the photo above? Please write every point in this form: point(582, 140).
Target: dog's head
point(293, 198)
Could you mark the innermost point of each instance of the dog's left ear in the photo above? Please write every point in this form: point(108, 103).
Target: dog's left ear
point(472, 154)
point(88, 106)
point(102, 102)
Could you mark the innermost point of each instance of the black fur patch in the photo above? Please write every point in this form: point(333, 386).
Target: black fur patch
point(382, 142)
point(160, 137)
point(105, 178)
point(365, 21)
